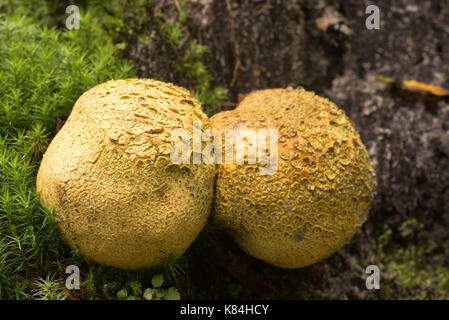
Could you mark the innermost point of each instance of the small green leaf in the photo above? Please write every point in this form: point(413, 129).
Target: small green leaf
point(122, 294)
point(159, 293)
point(149, 294)
point(136, 287)
point(172, 294)
point(121, 46)
point(157, 280)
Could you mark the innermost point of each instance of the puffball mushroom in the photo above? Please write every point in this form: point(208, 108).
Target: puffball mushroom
point(108, 178)
point(318, 197)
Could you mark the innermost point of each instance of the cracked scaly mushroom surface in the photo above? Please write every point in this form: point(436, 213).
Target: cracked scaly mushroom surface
point(322, 189)
point(109, 181)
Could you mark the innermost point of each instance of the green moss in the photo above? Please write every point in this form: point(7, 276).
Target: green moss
point(411, 276)
point(409, 269)
point(42, 74)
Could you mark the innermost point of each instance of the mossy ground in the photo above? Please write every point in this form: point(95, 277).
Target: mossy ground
point(416, 271)
point(44, 71)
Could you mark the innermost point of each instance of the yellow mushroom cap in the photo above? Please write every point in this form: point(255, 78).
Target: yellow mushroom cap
point(109, 181)
point(322, 189)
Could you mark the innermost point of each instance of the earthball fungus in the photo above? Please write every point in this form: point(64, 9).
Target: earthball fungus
point(108, 178)
point(315, 198)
